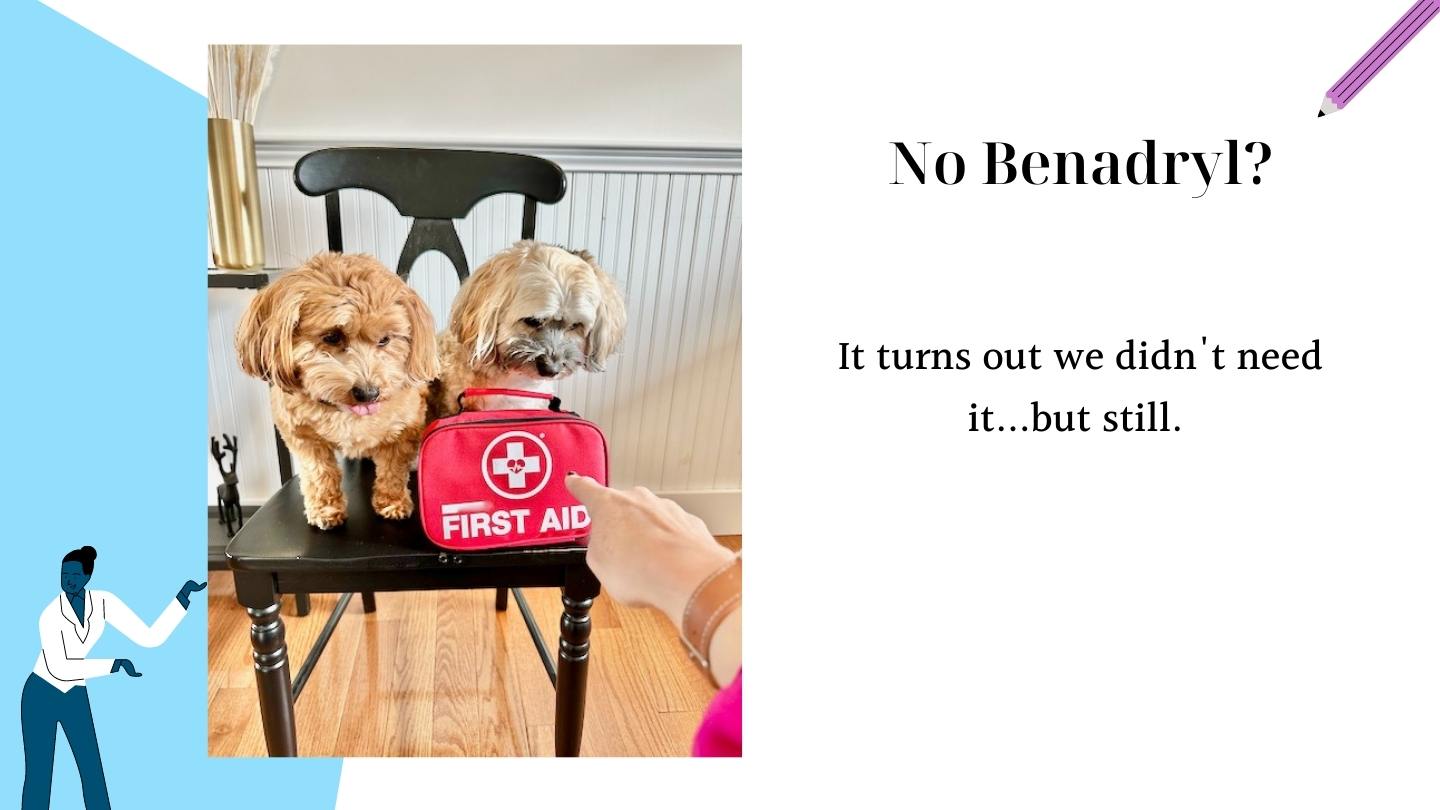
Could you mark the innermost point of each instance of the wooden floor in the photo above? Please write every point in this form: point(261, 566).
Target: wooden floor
point(441, 673)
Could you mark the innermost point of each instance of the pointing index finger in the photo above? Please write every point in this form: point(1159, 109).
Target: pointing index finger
point(586, 489)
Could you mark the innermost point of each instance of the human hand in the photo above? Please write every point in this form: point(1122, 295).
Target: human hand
point(125, 664)
point(645, 549)
point(190, 586)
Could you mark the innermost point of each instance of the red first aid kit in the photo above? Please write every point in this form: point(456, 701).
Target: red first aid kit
point(496, 479)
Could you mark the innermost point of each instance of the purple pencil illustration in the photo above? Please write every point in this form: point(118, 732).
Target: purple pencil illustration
point(1380, 55)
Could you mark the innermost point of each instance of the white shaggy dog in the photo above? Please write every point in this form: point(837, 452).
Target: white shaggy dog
point(529, 316)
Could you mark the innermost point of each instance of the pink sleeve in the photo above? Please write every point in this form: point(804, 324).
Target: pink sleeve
point(719, 732)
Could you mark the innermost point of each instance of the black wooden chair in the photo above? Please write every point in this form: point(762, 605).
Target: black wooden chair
point(278, 552)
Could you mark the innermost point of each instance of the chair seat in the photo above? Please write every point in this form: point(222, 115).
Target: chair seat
point(277, 538)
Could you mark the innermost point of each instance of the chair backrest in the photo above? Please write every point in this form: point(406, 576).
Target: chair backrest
point(435, 186)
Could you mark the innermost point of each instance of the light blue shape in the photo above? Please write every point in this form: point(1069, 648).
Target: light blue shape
point(102, 200)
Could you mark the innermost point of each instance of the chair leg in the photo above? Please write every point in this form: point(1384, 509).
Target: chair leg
point(579, 594)
point(272, 662)
point(367, 598)
point(502, 598)
point(302, 604)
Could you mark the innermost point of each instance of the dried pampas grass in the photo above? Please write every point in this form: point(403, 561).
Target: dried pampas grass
point(238, 75)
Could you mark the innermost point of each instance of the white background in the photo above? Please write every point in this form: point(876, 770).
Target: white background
point(1242, 614)
point(561, 94)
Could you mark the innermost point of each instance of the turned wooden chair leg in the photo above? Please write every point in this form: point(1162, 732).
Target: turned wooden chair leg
point(256, 592)
point(502, 598)
point(573, 665)
point(367, 598)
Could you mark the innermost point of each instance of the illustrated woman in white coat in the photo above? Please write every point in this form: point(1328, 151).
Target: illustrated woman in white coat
point(55, 695)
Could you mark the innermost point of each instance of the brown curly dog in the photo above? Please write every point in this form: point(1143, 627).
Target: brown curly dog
point(348, 349)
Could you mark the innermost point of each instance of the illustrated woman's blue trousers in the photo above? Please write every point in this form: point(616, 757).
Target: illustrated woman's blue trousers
point(42, 709)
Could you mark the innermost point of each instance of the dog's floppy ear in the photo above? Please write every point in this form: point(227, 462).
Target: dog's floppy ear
point(265, 338)
point(479, 309)
point(609, 327)
point(423, 365)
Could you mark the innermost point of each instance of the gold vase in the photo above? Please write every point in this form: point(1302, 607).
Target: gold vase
point(236, 242)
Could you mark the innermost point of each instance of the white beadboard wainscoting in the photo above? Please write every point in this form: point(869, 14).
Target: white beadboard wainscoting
point(664, 223)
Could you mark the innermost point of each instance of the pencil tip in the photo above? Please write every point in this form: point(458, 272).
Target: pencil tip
point(1320, 114)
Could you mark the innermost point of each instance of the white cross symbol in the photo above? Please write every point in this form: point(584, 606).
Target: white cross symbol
point(515, 464)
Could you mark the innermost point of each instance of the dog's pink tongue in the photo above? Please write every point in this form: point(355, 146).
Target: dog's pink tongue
point(365, 408)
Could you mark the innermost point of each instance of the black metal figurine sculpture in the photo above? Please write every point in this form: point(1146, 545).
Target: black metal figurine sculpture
point(227, 495)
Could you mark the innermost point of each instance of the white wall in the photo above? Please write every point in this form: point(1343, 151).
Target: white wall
point(665, 221)
point(583, 95)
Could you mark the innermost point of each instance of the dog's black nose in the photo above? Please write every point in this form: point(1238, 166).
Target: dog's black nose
point(366, 394)
point(544, 368)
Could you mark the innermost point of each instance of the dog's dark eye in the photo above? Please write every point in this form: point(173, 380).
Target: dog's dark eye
point(384, 341)
point(334, 337)
point(577, 326)
point(533, 323)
